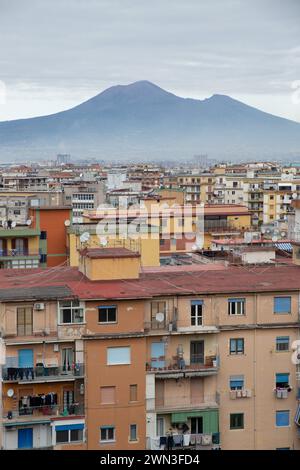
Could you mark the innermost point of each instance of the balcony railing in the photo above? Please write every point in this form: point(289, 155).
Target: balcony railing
point(31, 374)
point(184, 441)
point(177, 365)
point(16, 252)
point(185, 402)
point(44, 410)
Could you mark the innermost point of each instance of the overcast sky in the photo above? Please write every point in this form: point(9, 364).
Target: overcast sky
point(55, 54)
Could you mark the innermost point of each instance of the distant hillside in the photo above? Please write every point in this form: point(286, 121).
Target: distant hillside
point(142, 120)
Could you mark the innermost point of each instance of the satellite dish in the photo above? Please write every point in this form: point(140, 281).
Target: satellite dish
point(13, 224)
point(10, 392)
point(283, 234)
point(274, 238)
point(103, 241)
point(160, 317)
point(28, 222)
point(67, 223)
point(294, 195)
point(84, 237)
point(268, 230)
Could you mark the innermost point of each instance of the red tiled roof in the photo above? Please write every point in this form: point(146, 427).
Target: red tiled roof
point(233, 279)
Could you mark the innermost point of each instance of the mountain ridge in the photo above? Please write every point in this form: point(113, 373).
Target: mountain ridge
point(142, 119)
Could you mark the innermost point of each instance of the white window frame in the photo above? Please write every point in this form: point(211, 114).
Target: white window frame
point(60, 309)
point(106, 441)
point(198, 315)
point(242, 307)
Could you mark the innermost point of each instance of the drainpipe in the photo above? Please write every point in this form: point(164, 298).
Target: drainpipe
point(254, 373)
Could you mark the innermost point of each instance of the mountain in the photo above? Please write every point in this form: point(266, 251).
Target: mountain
point(142, 121)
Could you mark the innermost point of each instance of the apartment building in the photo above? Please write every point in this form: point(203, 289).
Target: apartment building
point(204, 350)
point(40, 242)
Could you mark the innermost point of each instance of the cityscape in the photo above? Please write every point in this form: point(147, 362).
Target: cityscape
point(150, 264)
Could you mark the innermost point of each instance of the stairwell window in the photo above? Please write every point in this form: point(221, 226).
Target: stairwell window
point(196, 312)
point(236, 306)
point(71, 312)
point(107, 314)
point(236, 346)
point(282, 343)
point(237, 421)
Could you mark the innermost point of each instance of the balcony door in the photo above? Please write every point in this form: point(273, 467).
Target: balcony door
point(67, 359)
point(197, 425)
point(158, 355)
point(197, 352)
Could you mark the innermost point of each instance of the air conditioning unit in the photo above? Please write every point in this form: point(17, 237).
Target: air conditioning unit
point(39, 306)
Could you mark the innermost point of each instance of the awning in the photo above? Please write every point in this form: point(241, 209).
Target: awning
point(284, 246)
point(69, 427)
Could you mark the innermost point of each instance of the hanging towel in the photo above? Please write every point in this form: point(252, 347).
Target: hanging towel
point(186, 440)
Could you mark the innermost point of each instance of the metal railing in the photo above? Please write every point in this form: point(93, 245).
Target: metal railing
point(45, 410)
point(16, 252)
point(183, 402)
point(184, 440)
point(198, 362)
point(36, 373)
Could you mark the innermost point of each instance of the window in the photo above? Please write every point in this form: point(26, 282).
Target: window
point(43, 235)
point(133, 432)
point(107, 434)
point(196, 312)
point(236, 306)
point(107, 314)
point(236, 382)
point(282, 418)
point(237, 421)
point(197, 425)
point(133, 392)
point(282, 343)
point(282, 380)
point(71, 312)
point(282, 304)
point(24, 321)
point(69, 433)
point(108, 395)
point(117, 356)
point(237, 346)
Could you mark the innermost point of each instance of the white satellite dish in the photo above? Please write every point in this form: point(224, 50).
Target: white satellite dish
point(159, 317)
point(274, 238)
point(84, 237)
point(13, 224)
point(294, 195)
point(268, 230)
point(283, 234)
point(103, 241)
point(28, 222)
point(67, 223)
point(10, 392)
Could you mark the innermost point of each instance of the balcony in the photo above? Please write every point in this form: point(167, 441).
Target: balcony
point(18, 254)
point(40, 414)
point(166, 404)
point(19, 231)
point(42, 374)
point(179, 368)
point(185, 441)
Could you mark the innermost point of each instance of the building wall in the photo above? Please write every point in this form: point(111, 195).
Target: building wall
point(122, 413)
